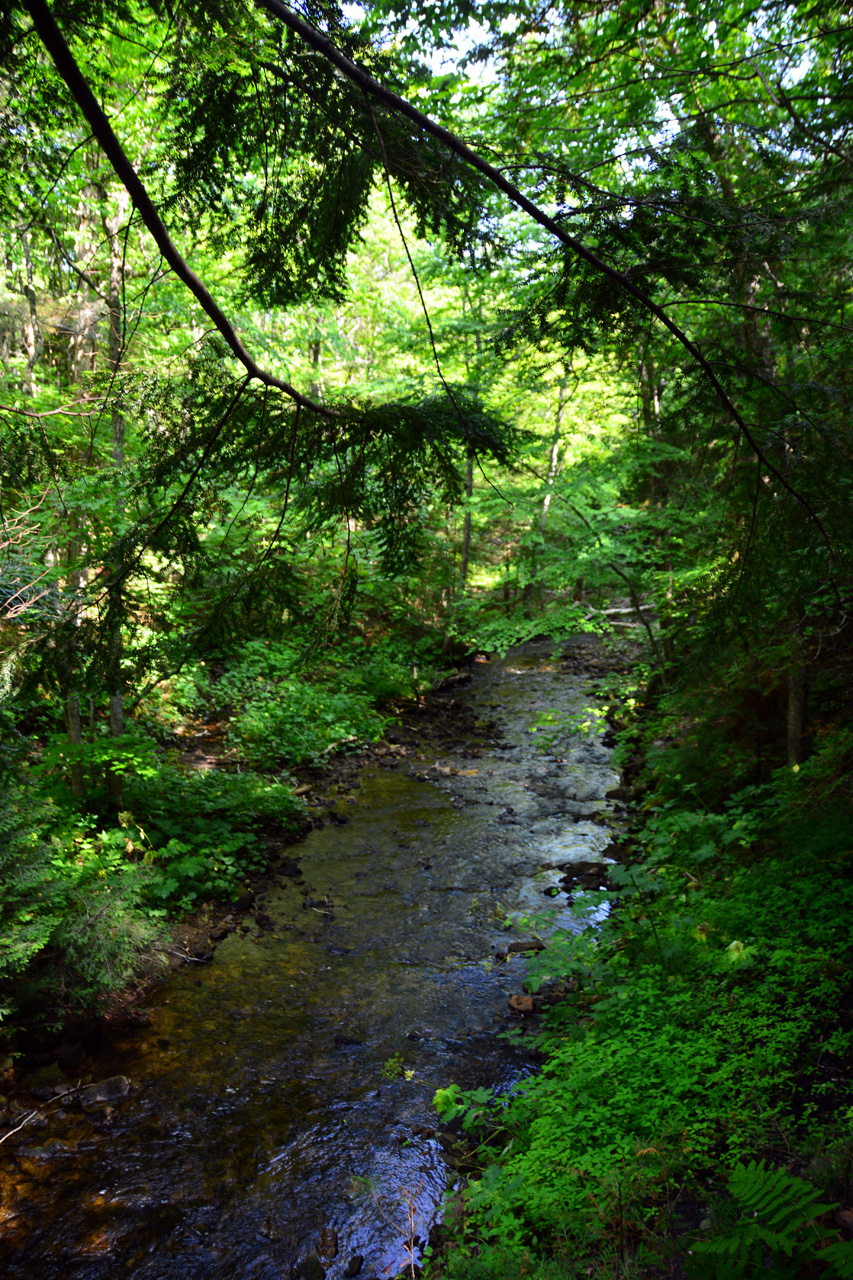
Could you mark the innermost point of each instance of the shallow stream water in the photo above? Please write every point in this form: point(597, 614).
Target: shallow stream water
point(280, 1107)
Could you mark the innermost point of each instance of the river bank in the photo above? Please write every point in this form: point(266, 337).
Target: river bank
point(289, 1082)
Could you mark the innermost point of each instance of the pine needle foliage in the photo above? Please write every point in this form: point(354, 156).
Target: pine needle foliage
point(279, 153)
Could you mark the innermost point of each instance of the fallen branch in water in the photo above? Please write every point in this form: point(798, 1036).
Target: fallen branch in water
point(26, 1120)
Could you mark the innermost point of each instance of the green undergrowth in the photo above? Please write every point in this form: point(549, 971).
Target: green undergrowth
point(481, 624)
point(283, 714)
point(704, 1030)
point(202, 832)
point(83, 899)
point(73, 924)
point(87, 889)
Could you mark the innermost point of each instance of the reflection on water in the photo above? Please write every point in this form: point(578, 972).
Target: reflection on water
point(281, 1102)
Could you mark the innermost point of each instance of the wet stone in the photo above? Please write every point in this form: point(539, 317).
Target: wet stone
point(310, 1268)
point(44, 1093)
point(353, 1267)
point(328, 1244)
point(47, 1082)
point(105, 1092)
point(520, 945)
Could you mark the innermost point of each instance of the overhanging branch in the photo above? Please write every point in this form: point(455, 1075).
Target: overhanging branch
point(324, 46)
point(55, 43)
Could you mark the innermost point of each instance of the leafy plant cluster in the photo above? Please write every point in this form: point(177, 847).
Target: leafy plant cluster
point(279, 715)
point(73, 923)
point(202, 832)
point(282, 713)
point(701, 1030)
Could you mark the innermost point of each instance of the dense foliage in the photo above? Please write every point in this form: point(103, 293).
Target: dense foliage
point(705, 1021)
point(305, 395)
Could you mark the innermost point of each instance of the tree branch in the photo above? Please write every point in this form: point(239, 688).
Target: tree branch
point(54, 41)
point(323, 45)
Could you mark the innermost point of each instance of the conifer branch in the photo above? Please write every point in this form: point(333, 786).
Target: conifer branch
point(56, 45)
point(323, 45)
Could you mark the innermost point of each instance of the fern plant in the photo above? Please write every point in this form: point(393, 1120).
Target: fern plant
point(776, 1232)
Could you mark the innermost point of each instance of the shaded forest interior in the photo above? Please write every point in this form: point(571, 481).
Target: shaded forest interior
point(340, 346)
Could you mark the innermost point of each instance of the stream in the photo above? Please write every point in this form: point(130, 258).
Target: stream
point(279, 1118)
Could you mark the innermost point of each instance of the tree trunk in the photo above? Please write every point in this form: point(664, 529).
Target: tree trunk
point(75, 741)
point(554, 455)
point(73, 605)
point(115, 649)
point(534, 589)
point(33, 341)
point(473, 377)
point(796, 700)
point(315, 348)
point(466, 528)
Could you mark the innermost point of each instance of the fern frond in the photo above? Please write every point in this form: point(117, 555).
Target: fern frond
point(783, 1201)
point(839, 1257)
point(777, 1214)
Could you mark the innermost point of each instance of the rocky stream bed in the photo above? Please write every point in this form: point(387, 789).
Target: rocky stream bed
point(268, 1114)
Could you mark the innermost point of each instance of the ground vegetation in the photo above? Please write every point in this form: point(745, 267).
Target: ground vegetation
point(337, 346)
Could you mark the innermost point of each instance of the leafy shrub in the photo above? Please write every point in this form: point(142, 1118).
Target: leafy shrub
point(282, 718)
point(199, 832)
point(284, 714)
point(298, 723)
point(476, 626)
point(508, 1264)
point(71, 920)
point(383, 669)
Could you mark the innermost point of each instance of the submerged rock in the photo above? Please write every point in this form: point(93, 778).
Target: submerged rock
point(310, 1268)
point(328, 1244)
point(105, 1092)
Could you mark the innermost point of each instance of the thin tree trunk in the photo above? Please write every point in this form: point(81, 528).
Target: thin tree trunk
point(77, 579)
point(115, 648)
point(75, 740)
point(796, 699)
point(315, 348)
point(466, 528)
point(32, 330)
point(473, 381)
point(554, 455)
point(534, 589)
